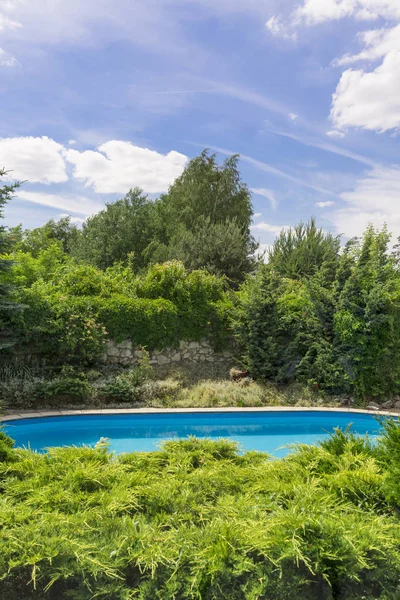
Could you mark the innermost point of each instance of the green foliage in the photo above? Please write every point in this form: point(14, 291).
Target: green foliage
point(63, 388)
point(69, 316)
point(335, 326)
point(198, 520)
point(8, 307)
point(6, 446)
point(127, 386)
point(26, 269)
point(203, 221)
point(367, 318)
point(302, 250)
point(62, 233)
point(123, 228)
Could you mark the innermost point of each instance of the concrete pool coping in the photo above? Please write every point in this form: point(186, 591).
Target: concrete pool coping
point(148, 411)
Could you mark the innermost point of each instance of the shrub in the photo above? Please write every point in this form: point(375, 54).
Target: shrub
point(65, 388)
point(150, 323)
point(6, 448)
point(197, 520)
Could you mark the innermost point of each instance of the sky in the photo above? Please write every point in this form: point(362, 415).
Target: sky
point(97, 97)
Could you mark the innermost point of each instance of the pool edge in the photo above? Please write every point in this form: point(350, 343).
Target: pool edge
point(119, 411)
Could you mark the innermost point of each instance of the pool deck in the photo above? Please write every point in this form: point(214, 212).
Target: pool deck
point(141, 411)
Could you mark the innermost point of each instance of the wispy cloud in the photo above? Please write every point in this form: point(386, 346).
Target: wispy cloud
point(76, 204)
point(268, 194)
point(262, 166)
point(326, 147)
point(268, 227)
point(324, 204)
point(177, 92)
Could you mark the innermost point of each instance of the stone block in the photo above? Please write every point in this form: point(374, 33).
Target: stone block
point(193, 345)
point(176, 357)
point(162, 360)
point(113, 351)
point(126, 345)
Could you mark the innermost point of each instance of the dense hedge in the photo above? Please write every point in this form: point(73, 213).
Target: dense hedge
point(197, 520)
point(70, 316)
point(151, 323)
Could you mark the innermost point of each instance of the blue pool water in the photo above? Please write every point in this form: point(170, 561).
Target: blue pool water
point(264, 431)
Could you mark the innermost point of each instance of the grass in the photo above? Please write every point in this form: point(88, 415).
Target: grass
point(186, 386)
point(197, 520)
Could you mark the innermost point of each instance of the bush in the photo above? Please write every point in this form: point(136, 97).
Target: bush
point(6, 448)
point(73, 388)
point(150, 323)
point(198, 520)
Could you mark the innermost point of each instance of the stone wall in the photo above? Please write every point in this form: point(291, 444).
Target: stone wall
point(192, 352)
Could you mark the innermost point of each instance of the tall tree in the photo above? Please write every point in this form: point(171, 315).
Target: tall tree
point(204, 219)
point(367, 319)
point(7, 306)
point(301, 250)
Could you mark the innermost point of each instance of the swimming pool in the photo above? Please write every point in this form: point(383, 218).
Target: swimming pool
point(265, 431)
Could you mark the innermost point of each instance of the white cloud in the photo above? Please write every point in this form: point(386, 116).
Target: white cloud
point(378, 43)
point(369, 100)
point(292, 116)
point(8, 24)
point(73, 220)
point(334, 133)
point(319, 11)
point(324, 204)
point(7, 60)
point(277, 28)
point(268, 194)
point(276, 229)
point(117, 166)
point(263, 251)
point(36, 159)
point(257, 215)
point(72, 142)
point(76, 204)
point(374, 199)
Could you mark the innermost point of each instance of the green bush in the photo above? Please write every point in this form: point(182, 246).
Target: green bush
point(66, 387)
point(68, 319)
point(6, 448)
point(150, 323)
point(198, 520)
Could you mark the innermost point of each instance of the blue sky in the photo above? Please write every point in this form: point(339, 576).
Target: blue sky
point(98, 96)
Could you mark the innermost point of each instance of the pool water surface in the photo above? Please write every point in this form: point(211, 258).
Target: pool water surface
point(267, 431)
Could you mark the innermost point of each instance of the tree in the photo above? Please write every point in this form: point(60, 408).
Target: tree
point(122, 228)
point(367, 318)
point(7, 306)
point(204, 219)
point(301, 250)
point(36, 240)
point(221, 248)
